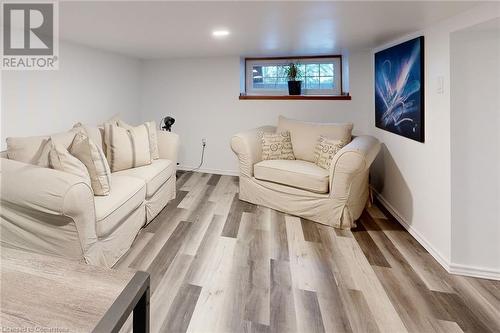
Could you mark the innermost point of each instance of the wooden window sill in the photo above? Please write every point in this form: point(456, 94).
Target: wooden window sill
point(297, 97)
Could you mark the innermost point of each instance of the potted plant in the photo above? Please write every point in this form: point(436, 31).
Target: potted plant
point(293, 74)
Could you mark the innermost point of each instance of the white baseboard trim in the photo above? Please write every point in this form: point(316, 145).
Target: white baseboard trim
point(477, 272)
point(436, 254)
point(214, 171)
point(458, 269)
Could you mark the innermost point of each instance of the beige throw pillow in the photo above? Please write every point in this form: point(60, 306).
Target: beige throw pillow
point(127, 148)
point(64, 139)
point(114, 119)
point(61, 159)
point(305, 135)
point(277, 146)
point(94, 160)
point(153, 137)
point(325, 151)
point(35, 149)
point(27, 149)
point(92, 132)
point(43, 156)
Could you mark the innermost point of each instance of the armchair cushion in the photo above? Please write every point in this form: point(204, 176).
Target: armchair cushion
point(305, 135)
point(296, 173)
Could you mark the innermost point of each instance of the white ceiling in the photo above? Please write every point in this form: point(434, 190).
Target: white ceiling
point(159, 29)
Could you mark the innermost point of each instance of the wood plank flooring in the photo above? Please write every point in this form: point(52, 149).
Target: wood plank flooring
point(219, 264)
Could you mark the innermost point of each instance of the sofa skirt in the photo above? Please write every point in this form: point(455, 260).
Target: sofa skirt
point(156, 202)
point(322, 208)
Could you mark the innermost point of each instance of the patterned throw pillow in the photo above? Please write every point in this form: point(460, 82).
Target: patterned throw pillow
point(277, 146)
point(326, 150)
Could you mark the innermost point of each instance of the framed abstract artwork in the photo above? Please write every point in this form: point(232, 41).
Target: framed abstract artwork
point(399, 89)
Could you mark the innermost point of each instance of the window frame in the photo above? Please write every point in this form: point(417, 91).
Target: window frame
point(250, 62)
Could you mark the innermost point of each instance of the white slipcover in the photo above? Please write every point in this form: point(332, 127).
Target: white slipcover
point(53, 212)
point(305, 135)
point(339, 207)
point(159, 186)
point(301, 174)
point(126, 195)
point(155, 174)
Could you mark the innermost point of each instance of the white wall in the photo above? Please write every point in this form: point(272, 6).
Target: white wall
point(414, 179)
point(90, 86)
point(475, 146)
point(202, 95)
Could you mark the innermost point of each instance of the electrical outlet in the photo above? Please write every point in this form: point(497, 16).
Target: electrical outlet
point(203, 142)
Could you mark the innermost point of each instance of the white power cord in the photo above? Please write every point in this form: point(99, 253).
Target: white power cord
point(203, 145)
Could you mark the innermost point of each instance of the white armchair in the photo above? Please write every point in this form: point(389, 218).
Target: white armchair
point(334, 197)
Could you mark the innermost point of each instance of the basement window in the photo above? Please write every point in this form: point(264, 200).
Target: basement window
point(320, 76)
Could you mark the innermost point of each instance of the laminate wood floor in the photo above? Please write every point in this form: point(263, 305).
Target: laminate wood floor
point(219, 264)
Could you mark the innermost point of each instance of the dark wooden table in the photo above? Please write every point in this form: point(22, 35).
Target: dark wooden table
point(44, 293)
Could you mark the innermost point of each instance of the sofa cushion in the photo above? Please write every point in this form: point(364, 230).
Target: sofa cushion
point(305, 135)
point(155, 174)
point(297, 173)
point(125, 196)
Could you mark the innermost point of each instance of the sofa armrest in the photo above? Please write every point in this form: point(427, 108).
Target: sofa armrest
point(168, 145)
point(248, 147)
point(350, 161)
point(47, 211)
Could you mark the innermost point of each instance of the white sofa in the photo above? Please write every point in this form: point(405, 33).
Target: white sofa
point(52, 212)
point(334, 197)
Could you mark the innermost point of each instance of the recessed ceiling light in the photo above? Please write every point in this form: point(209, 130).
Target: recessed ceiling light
point(220, 33)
